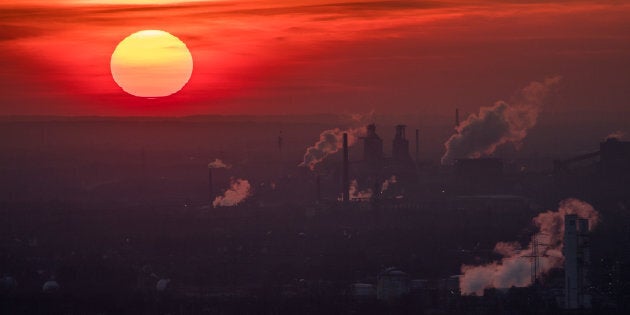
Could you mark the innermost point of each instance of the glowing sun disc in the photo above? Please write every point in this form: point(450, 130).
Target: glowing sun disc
point(151, 63)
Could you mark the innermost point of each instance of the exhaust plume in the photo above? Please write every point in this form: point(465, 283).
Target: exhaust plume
point(355, 193)
point(514, 269)
point(330, 141)
point(387, 183)
point(480, 134)
point(616, 135)
point(218, 164)
point(239, 190)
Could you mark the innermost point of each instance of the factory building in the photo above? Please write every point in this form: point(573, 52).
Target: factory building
point(372, 146)
point(476, 168)
point(400, 146)
point(483, 176)
point(577, 260)
point(614, 159)
point(375, 167)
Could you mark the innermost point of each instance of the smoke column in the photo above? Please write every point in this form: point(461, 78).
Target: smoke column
point(514, 269)
point(218, 164)
point(480, 134)
point(616, 135)
point(239, 190)
point(330, 141)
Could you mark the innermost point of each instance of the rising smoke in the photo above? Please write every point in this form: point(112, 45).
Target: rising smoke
point(330, 141)
point(218, 164)
point(239, 190)
point(514, 269)
point(480, 134)
point(356, 193)
point(616, 135)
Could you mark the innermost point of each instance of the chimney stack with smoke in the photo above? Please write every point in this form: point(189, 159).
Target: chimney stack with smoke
point(330, 141)
point(345, 180)
point(514, 269)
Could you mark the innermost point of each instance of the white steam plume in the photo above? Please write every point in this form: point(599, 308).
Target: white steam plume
point(480, 134)
point(514, 269)
point(330, 141)
point(218, 164)
point(239, 190)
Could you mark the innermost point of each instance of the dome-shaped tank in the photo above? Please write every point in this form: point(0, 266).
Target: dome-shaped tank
point(50, 286)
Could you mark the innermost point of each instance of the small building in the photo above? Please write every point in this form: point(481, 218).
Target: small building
point(362, 291)
point(50, 286)
point(392, 284)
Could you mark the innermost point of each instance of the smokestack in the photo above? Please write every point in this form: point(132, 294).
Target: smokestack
point(456, 117)
point(345, 181)
point(318, 187)
point(210, 192)
point(280, 140)
point(417, 146)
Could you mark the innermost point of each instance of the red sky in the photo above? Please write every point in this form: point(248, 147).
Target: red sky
point(319, 56)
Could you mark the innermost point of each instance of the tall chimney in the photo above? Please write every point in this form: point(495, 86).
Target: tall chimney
point(280, 140)
point(345, 181)
point(318, 189)
point(456, 117)
point(417, 146)
point(210, 192)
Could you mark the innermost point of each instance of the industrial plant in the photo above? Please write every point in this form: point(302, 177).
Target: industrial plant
point(368, 219)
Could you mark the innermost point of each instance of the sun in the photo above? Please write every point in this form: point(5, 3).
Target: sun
point(151, 63)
